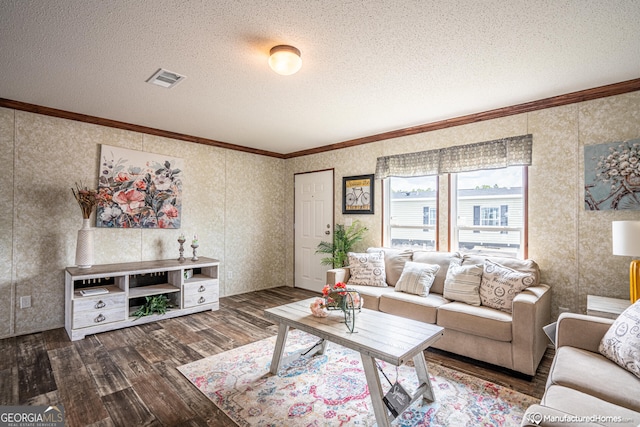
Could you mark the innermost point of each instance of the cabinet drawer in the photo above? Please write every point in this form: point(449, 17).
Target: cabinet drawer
point(103, 302)
point(200, 293)
point(84, 319)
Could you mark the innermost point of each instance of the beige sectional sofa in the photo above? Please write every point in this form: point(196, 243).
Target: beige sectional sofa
point(513, 340)
point(584, 387)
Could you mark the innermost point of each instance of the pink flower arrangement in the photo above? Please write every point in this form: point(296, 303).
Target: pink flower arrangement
point(318, 308)
point(358, 301)
point(340, 288)
point(335, 297)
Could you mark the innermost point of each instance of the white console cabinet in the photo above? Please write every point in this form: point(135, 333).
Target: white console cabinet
point(191, 286)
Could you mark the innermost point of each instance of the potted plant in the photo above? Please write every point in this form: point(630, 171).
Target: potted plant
point(343, 241)
point(153, 304)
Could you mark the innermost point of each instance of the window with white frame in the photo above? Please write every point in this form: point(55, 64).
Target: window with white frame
point(487, 197)
point(411, 212)
point(488, 215)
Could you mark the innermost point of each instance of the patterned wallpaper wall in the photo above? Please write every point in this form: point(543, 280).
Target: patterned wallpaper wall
point(233, 201)
point(241, 204)
point(572, 246)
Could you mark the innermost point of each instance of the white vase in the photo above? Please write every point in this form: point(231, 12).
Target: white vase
point(84, 247)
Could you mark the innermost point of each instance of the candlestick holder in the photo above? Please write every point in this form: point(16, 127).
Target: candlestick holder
point(181, 241)
point(195, 256)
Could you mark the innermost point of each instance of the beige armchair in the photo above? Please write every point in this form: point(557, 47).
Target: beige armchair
point(585, 388)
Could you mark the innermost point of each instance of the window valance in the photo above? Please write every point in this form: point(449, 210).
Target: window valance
point(500, 153)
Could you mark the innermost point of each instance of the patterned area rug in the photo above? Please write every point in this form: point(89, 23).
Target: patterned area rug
point(331, 390)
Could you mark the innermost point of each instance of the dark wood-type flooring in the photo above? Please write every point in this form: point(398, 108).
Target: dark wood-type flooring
point(128, 377)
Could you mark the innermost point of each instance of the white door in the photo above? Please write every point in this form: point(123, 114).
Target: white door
point(313, 224)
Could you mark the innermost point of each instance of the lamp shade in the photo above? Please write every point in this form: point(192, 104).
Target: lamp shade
point(626, 238)
point(285, 60)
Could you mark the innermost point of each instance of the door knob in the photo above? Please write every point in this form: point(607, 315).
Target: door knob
point(327, 232)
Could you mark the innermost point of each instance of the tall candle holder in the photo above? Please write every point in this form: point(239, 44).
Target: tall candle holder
point(181, 240)
point(195, 256)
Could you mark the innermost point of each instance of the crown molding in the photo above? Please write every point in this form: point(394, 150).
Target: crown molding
point(47, 111)
point(555, 101)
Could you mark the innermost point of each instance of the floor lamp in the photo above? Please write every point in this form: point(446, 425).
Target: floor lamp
point(626, 242)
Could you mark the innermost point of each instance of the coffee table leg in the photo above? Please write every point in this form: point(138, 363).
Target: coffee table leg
point(375, 390)
point(324, 346)
point(283, 331)
point(423, 375)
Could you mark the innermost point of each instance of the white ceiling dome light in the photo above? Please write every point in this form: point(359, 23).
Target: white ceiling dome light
point(285, 59)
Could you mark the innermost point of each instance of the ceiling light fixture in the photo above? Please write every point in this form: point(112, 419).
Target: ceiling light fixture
point(285, 59)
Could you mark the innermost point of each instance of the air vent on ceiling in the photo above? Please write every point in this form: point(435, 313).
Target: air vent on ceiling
point(166, 79)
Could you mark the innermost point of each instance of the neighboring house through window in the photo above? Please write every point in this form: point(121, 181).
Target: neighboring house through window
point(489, 211)
point(411, 217)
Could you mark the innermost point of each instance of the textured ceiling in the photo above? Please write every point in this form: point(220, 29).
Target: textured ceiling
point(368, 66)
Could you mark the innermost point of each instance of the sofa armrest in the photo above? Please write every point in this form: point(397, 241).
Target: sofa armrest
point(581, 331)
point(545, 416)
point(531, 311)
point(336, 275)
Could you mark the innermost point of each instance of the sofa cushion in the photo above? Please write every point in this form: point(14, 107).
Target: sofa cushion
point(424, 309)
point(463, 282)
point(501, 284)
point(371, 295)
point(394, 260)
point(525, 266)
point(594, 374)
point(621, 343)
point(366, 269)
point(481, 321)
point(443, 259)
point(417, 278)
point(590, 407)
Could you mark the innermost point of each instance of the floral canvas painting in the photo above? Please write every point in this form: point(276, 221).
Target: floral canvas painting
point(138, 189)
point(612, 176)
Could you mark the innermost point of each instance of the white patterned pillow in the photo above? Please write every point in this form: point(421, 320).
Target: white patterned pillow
point(417, 278)
point(367, 269)
point(463, 283)
point(501, 284)
point(621, 343)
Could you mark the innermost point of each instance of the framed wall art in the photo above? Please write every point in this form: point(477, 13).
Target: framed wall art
point(612, 176)
point(138, 189)
point(357, 194)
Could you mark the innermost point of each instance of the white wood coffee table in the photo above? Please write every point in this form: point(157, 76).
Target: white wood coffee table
point(377, 335)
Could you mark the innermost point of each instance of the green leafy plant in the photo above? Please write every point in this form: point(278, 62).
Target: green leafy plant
point(344, 240)
point(153, 304)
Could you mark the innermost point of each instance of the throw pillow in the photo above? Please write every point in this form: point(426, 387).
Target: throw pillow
point(525, 266)
point(366, 269)
point(394, 260)
point(463, 283)
point(621, 343)
point(443, 259)
point(417, 278)
point(501, 284)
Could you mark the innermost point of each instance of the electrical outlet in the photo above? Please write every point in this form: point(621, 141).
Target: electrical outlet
point(229, 274)
point(25, 301)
